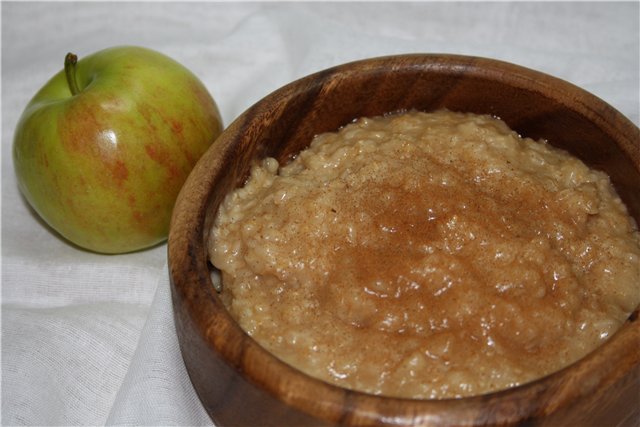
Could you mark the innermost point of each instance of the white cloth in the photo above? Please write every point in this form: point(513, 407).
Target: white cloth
point(89, 339)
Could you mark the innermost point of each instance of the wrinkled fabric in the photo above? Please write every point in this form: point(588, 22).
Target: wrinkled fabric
point(89, 339)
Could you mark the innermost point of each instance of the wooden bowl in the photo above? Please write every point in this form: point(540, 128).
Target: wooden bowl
point(241, 384)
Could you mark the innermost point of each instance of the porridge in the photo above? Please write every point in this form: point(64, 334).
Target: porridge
point(427, 255)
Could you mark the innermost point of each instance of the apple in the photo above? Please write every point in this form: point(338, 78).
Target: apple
point(102, 150)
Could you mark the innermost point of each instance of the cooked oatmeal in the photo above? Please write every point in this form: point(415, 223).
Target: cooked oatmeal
point(427, 255)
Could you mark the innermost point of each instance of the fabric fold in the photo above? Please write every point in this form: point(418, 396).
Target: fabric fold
point(156, 390)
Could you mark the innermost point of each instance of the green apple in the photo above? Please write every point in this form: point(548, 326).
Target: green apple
point(102, 150)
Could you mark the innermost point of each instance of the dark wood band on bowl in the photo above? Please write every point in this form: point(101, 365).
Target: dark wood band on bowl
point(239, 383)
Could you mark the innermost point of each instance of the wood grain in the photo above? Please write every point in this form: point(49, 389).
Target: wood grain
point(240, 384)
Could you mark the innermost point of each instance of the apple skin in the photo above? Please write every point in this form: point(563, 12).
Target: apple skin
point(103, 167)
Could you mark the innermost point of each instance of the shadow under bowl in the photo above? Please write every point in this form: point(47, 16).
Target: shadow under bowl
point(239, 383)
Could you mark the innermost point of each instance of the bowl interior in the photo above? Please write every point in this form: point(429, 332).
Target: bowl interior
point(533, 104)
point(283, 123)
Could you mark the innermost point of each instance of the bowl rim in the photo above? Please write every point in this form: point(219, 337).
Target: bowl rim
point(189, 272)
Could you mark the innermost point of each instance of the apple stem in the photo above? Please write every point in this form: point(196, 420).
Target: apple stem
point(70, 62)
